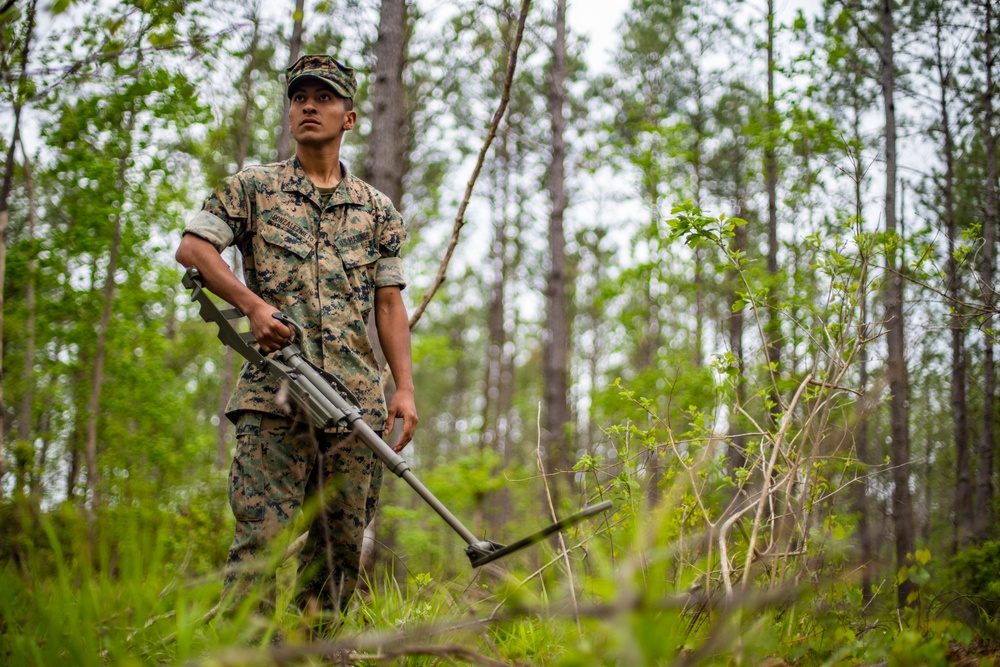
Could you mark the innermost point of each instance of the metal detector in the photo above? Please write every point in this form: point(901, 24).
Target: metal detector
point(328, 403)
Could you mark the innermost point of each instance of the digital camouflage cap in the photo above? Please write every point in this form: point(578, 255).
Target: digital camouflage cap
point(325, 68)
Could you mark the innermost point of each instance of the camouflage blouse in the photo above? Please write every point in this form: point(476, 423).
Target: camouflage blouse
point(319, 264)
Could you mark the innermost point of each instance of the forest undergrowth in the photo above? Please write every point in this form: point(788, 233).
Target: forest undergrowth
point(646, 584)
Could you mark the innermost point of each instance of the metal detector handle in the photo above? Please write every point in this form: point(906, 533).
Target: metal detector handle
point(212, 314)
point(297, 331)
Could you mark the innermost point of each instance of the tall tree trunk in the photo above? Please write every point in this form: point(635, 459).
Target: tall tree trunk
point(902, 510)
point(556, 362)
point(737, 439)
point(386, 147)
point(28, 399)
point(73, 473)
point(516, 198)
point(386, 164)
point(100, 353)
point(491, 438)
point(5, 189)
point(959, 410)
point(773, 328)
point(497, 310)
point(295, 46)
point(697, 156)
point(866, 545)
point(983, 519)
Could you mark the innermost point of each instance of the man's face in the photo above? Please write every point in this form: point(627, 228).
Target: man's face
point(317, 116)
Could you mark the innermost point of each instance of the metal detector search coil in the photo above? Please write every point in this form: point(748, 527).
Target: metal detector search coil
point(328, 402)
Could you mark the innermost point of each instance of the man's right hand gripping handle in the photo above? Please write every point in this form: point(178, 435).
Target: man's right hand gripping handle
point(216, 275)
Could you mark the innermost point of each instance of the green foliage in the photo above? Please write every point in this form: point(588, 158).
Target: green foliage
point(736, 531)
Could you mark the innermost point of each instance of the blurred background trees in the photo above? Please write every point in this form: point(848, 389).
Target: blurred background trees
point(743, 269)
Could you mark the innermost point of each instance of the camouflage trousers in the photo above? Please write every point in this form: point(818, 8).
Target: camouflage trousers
point(288, 475)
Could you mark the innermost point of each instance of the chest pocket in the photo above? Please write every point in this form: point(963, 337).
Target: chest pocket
point(281, 257)
point(357, 251)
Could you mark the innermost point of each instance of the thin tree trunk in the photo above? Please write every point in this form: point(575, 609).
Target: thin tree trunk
point(866, 544)
point(386, 164)
point(697, 153)
point(773, 328)
point(902, 510)
point(867, 548)
point(295, 46)
point(5, 190)
point(28, 400)
point(737, 440)
point(508, 369)
point(959, 410)
point(929, 463)
point(983, 519)
point(100, 354)
point(556, 362)
point(73, 473)
point(497, 310)
point(43, 457)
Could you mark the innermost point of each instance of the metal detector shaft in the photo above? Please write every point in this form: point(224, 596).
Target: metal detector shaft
point(328, 403)
point(396, 464)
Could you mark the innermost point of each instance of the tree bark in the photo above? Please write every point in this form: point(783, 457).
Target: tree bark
point(557, 415)
point(983, 515)
point(295, 46)
point(5, 190)
point(387, 143)
point(902, 510)
point(28, 399)
point(108, 295)
point(773, 328)
point(866, 546)
point(697, 156)
point(737, 439)
point(959, 410)
point(865, 542)
point(497, 309)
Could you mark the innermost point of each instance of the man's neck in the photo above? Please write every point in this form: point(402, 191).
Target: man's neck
point(321, 164)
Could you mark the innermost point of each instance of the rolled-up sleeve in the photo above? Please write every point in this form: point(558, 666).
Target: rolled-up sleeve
point(224, 217)
point(391, 235)
point(389, 273)
point(211, 228)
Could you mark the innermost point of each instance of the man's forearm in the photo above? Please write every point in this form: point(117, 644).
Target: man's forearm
point(394, 333)
point(220, 280)
point(215, 273)
point(393, 328)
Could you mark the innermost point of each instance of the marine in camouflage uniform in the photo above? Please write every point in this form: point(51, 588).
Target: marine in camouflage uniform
point(321, 246)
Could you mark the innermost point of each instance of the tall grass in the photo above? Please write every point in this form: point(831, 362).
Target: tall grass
point(139, 587)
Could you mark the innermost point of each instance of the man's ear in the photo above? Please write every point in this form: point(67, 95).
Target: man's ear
point(350, 118)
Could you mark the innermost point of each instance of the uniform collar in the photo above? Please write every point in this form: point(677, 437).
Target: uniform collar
point(349, 190)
